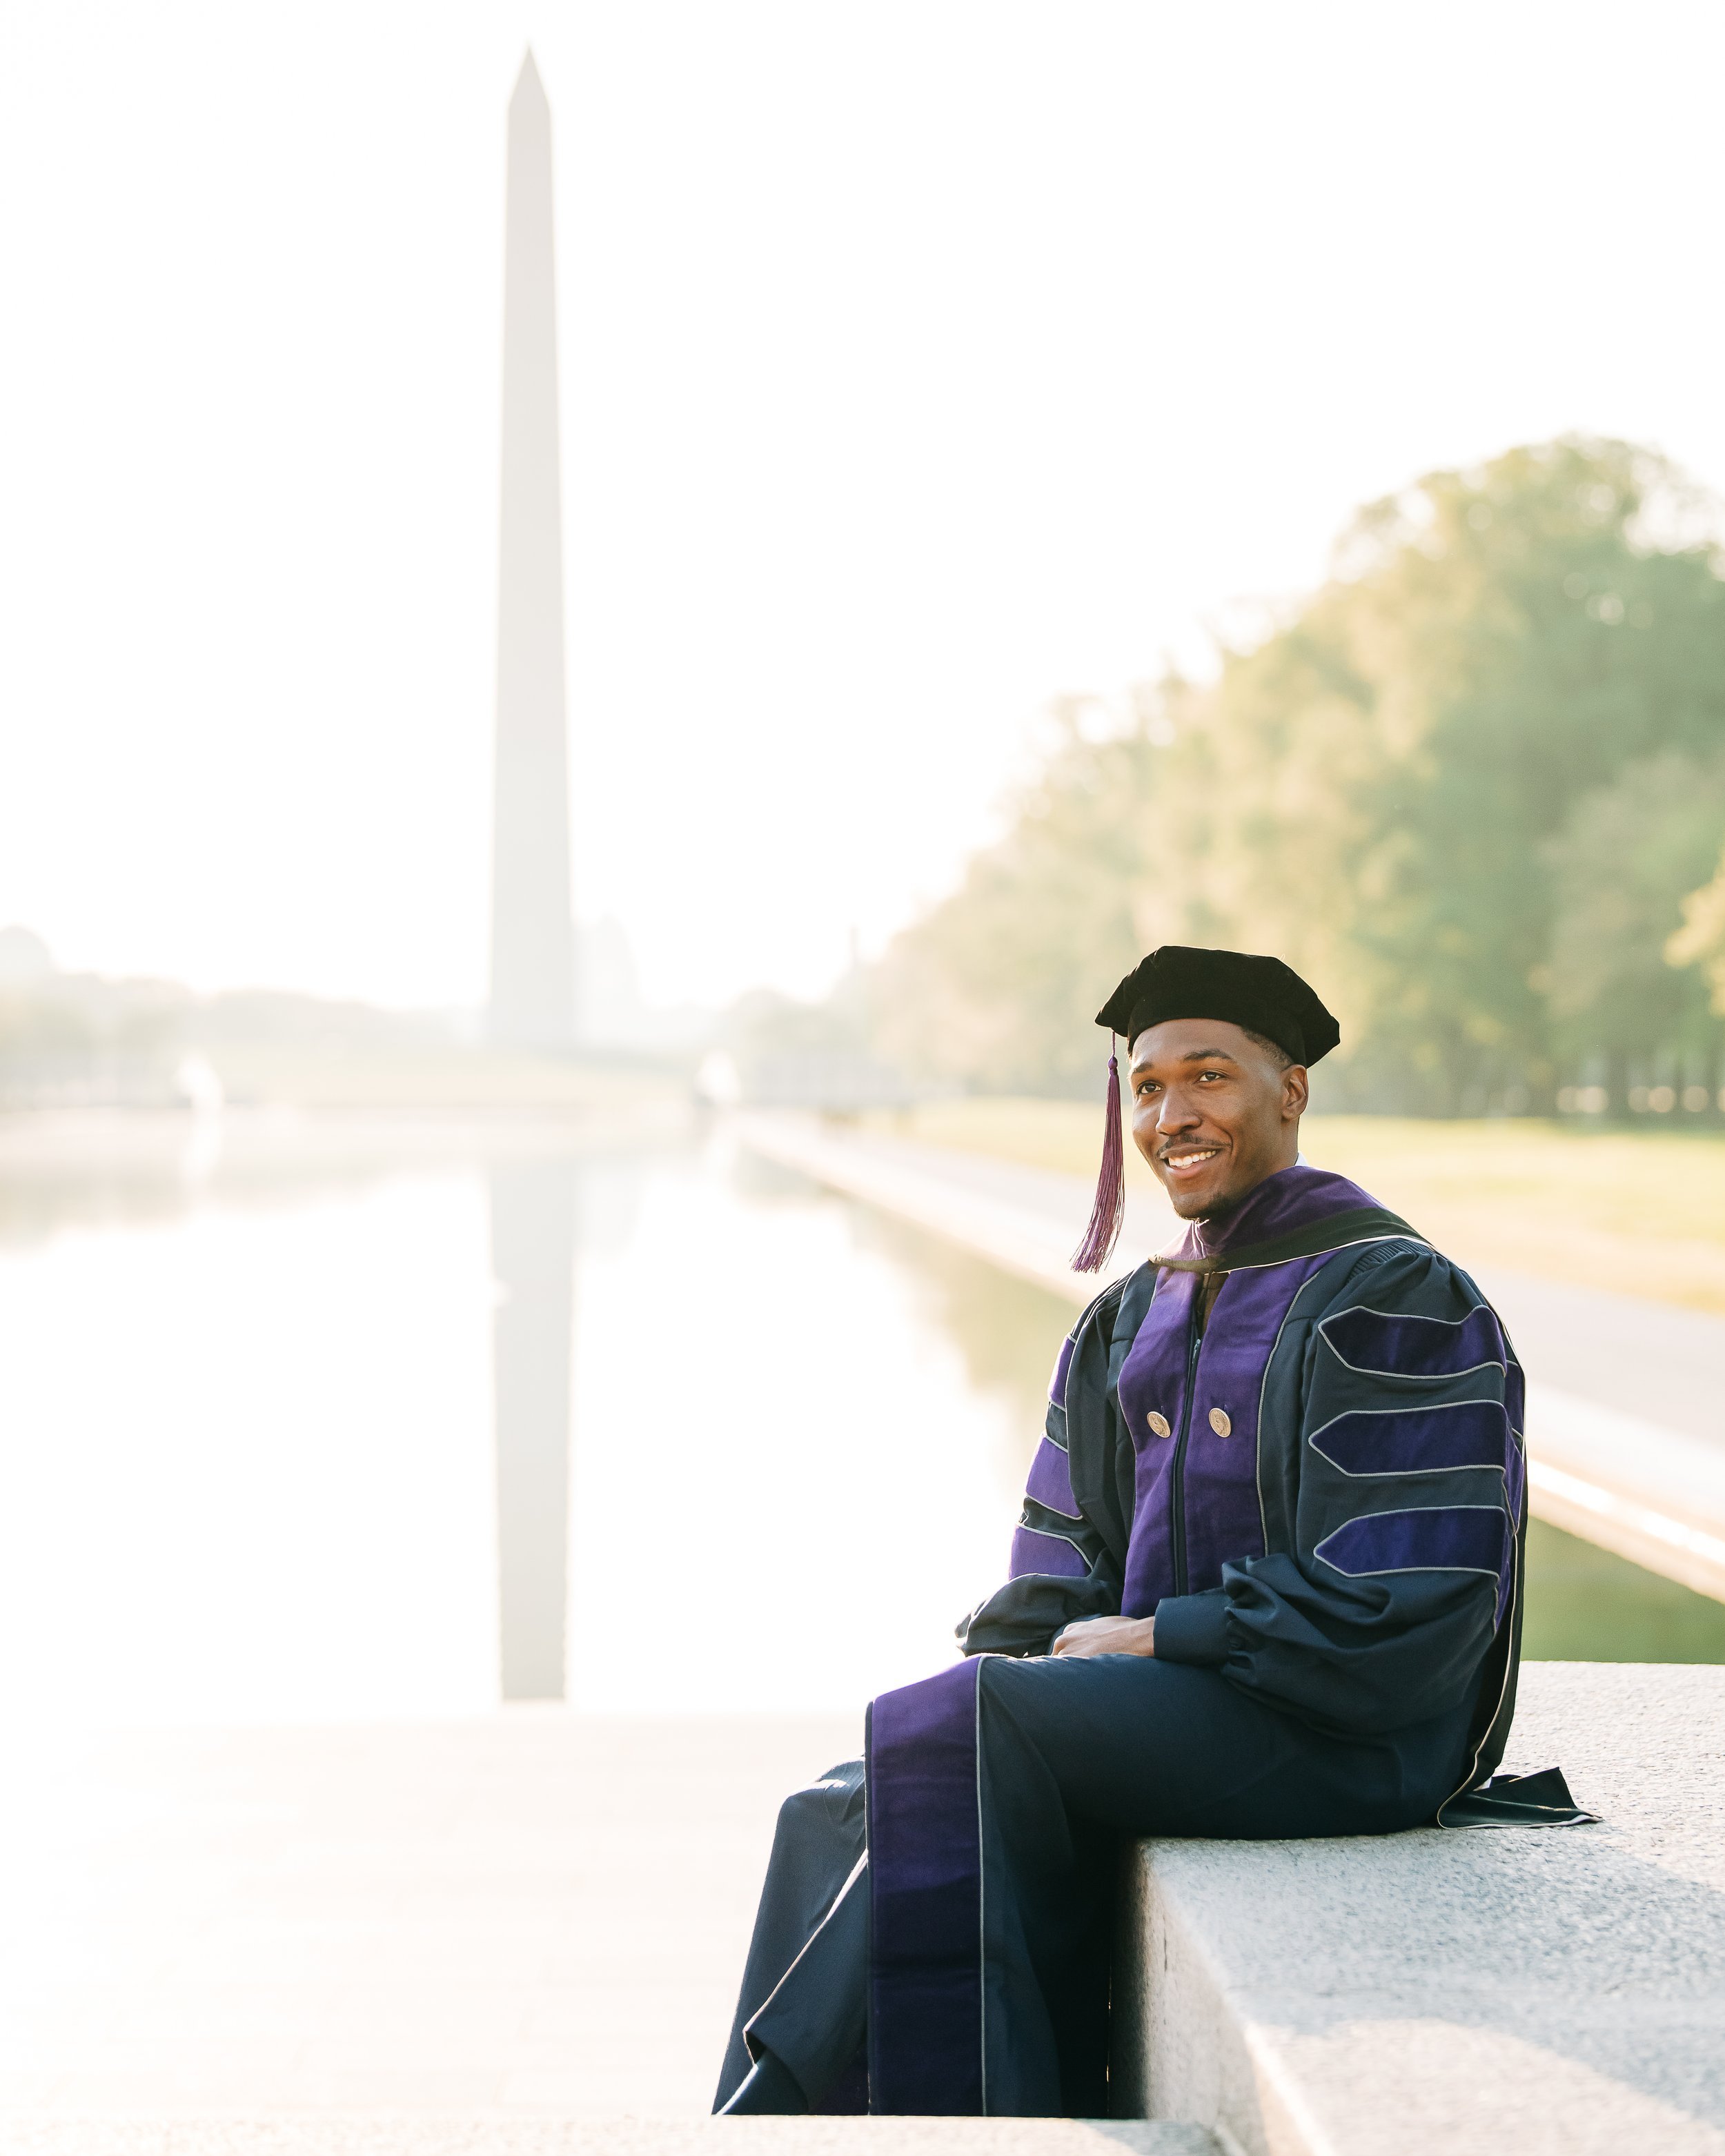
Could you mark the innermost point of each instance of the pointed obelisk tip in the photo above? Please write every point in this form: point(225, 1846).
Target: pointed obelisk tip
point(527, 84)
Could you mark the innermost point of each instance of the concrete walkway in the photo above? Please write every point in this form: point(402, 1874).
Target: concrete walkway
point(527, 1914)
point(1625, 1402)
point(519, 1935)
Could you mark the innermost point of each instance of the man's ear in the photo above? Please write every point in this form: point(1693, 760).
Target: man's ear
point(1296, 1092)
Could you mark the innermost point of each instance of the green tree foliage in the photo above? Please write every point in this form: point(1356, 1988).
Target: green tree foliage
point(1629, 855)
point(998, 987)
point(1467, 787)
point(1701, 940)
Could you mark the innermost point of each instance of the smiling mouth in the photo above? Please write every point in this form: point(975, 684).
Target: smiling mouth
point(1191, 1156)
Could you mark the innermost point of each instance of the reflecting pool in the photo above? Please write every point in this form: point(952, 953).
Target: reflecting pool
point(300, 1423)
point(299, 1431)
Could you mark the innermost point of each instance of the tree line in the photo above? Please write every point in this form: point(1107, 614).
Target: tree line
point(1474, 787)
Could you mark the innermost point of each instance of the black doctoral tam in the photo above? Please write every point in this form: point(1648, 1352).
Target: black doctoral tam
point(1261, 994)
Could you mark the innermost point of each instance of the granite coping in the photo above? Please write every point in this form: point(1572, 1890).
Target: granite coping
point(410, 2135)
point(1555, 1992)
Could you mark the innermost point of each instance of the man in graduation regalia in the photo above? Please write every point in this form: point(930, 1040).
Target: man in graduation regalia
point(1266, 1583)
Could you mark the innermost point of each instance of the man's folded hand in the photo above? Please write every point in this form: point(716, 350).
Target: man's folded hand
point(1107, 1635)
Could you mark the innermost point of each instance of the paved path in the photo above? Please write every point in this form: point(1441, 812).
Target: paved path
point(528, 1913)
point(515, 1935)
point(1626, 1397)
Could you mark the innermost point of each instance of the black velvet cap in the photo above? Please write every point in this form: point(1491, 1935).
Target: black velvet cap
point(1261, 994)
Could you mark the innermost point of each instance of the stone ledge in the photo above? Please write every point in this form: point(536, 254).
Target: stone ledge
point(334, 2134)
point(1554, 1992)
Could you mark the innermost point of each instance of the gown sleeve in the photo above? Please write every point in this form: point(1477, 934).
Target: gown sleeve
point(1063, 1568)
point(1394, 1498)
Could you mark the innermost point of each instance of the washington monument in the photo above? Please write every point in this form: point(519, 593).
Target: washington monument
point(532, 1000)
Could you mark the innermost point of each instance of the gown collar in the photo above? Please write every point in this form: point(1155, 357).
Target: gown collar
point(1296, 1212)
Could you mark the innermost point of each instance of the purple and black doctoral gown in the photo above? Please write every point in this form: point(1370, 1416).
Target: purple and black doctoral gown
point(1319, 1492)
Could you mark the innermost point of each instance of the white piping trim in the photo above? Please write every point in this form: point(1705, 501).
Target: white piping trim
point(1049, 1535)
point(1407, 1473)
point(1511, 1663)
point(856, 1872)
point(1406, 1571)
point(1060, 1511)
point(982, 1908)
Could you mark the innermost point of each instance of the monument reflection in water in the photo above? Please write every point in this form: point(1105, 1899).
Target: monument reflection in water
point(304, 1420)
point(533, 1225)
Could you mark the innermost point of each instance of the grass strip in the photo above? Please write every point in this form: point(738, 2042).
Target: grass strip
point(1639, 1212)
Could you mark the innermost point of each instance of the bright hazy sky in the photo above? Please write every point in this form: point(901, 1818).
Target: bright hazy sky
point(921, 360)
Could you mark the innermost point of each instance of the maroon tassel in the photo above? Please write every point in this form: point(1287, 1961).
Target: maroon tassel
point(1103, 1232)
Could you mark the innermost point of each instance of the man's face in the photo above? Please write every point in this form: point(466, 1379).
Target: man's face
point(1212, 1112)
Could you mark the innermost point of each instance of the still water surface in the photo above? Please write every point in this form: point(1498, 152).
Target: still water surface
point(300, 1435)
point(649, 1429)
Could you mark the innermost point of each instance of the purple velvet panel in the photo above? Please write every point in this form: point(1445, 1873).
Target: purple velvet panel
point(1444, 1538)
point(1153, 1382)
point(1413, 1441)
point(1032, 1551)
point(926, 1884)
point(1057, 1382)
point(1292, 1198)
point(1404, 1347)
point(1223, 1521)
point(1050, 1480)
